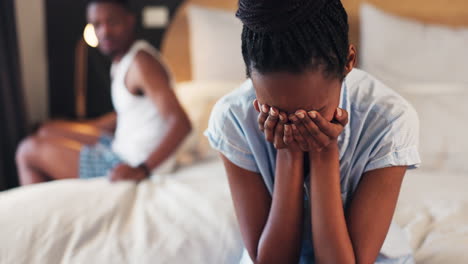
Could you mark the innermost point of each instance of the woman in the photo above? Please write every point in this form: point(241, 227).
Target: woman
point(315, 165)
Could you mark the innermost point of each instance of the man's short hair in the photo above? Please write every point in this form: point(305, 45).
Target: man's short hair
point(123, 3)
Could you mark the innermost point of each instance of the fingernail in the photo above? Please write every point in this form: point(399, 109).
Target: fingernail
point(255, 105)
point(281, 117)
point(293, 118)
point(265, 109)
point(273, 112)
point(287, 128)
point(339, 112)
point(300, 115)
point(312, 114)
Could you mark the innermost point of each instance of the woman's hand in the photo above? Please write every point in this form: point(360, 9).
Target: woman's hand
point(273, 124)
point(314, 133)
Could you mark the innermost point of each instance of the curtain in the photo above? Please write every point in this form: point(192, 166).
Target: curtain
point(13, 123)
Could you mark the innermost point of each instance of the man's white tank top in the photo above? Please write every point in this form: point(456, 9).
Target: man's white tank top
point(140, 126)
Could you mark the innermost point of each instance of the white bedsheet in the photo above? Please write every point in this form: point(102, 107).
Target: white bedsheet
point(183, 218)
point(188, 218)
point(433, 209)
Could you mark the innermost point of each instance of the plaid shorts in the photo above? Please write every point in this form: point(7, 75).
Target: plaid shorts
point(98, 159)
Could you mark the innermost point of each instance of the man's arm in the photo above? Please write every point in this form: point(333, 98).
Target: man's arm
point(148, 75)
point(107, 122)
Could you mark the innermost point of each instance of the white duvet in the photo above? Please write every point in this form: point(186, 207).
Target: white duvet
point(433, 209)
point(182, 218)
point(188, 218)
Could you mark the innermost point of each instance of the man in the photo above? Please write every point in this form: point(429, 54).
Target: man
point(149, 123)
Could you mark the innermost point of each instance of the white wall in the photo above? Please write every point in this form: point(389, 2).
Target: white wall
point(32, 41)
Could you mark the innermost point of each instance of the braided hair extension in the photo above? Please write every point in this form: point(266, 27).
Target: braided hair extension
point(294, 35)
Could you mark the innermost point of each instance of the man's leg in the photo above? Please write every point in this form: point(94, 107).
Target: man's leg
point(42, 159)
point(84, 133)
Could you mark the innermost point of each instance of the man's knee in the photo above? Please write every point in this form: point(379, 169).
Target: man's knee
point(47, 129)
point(27, 148)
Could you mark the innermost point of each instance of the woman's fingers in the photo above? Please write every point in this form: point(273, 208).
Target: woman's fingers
point(301, 129)
point(262, 117)
point(299, 138)
point(288, 137)
point(256, 105)
point(296, 121)
point(309, 130)
point(329, 129)
point(270, 124)
point(341, 116)
point(317, 139)
point(279, 132)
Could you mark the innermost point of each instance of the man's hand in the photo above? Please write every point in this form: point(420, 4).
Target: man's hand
point(314, 133)
point(123, 172)
point(107, 122)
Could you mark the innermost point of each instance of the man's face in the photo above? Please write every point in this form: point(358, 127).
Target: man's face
point(113, 25)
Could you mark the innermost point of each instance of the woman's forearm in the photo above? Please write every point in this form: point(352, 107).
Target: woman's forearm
point(332, 243)
point(281, 238)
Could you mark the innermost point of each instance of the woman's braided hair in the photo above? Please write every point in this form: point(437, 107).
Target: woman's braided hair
point(294, 35)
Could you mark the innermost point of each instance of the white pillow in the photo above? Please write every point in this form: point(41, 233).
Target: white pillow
point(443, 124)
point(215, 45)
point(399, 50)
point(198, 99)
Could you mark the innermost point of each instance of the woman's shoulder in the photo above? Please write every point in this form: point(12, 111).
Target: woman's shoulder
point(232, 124)
point(384, 126)
point(370, 98)
point(237, 104)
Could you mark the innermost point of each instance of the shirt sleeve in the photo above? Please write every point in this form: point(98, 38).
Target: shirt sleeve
point(226, 135)
point(397, 143)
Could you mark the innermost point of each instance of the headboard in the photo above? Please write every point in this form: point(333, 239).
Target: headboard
point(175, 46)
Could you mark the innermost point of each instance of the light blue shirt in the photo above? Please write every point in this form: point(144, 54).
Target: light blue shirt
point(383, 131)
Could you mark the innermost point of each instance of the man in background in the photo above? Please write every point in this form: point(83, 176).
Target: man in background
point(140, 137)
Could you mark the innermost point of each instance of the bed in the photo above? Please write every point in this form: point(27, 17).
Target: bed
point(187, 216)
point(416, 47)
point(184, 217)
